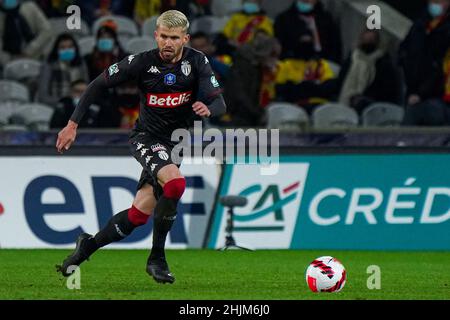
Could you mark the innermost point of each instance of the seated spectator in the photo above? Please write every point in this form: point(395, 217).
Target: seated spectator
point(425, 61)
point(368, 75)
point(63, 66)
point(250, 83)
point(194, 8)
point(242, 26)
point(304, 80)
point(107, 51)
point(95, 9)
point(124, 107)
point(220, 64)
point(55, 9)
point(145, 9)
point(67, 105)
point(308, 15)
point(24, 30)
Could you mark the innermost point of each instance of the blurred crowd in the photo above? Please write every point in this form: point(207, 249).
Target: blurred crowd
point(294, 60)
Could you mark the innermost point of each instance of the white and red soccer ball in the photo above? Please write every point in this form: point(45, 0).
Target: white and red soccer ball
point(326, 274)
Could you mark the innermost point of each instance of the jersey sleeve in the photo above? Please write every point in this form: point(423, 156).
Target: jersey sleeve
point(123, 71)
point(208, 86)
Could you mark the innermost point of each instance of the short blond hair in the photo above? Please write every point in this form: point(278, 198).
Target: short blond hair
point(173, 19)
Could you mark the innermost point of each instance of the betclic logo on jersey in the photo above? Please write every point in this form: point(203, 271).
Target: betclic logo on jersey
point(168, 100)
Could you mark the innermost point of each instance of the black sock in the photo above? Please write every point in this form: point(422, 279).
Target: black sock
point(118, 228)
point(164, 217)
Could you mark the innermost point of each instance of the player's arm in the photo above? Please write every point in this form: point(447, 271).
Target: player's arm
point(210, 101)
point(116, 74)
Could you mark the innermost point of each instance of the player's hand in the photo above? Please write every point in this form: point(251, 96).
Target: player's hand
point(201, 109)
point(66, 137)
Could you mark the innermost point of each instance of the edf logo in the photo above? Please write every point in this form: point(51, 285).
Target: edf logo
point(36, 210)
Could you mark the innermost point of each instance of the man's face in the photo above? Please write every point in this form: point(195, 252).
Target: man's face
point(78, 90)
point(170, 42)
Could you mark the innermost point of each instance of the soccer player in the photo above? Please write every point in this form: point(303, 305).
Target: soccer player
point(176, 85)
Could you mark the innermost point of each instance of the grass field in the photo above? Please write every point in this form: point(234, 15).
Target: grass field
point(231, 275)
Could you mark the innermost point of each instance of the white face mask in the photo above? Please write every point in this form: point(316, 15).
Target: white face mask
point(435, 9)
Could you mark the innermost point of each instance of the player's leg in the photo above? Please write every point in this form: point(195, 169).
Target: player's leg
point(173, 185)
point(118, 227)
point(122, 224)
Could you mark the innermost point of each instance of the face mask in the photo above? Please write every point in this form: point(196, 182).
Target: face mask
point(10, 4)
point(76, 101)
point(105, 45)
point(250, 7)
point(66, 54)
point(435, 10)
point(304, 7)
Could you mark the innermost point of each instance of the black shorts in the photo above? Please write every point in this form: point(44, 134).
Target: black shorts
point(153, 154)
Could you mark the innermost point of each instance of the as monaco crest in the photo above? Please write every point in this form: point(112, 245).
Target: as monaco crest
point(186, 68)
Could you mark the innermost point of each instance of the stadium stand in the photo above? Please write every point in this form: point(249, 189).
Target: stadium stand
point(382, 115)
point(13, 91)
point(286, 116)
point(140, 44)
point(332, 115)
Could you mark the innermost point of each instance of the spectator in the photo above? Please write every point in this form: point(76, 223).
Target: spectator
point(94, 9)
point(220, 65)
point(304, 80)
point(24, 30)
point(250, 84)
point(63, 66)
point(55, 9)
point(67, 105)
point(145, 9)
point(107, 51)
point(194, 8)
point(423, 57)
point(125, 107)
point(242, 26)
point(309, 15)
point(368, 75)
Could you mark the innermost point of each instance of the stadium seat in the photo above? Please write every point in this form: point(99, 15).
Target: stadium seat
point(334, 115)
point(208, 24)
point(22, 69)
point(86, 45)
point(149, 26)
point(6, 110)
point(37, 116)
point(125, 26)
point(383, 114)
point(59, 25)
point(281, 115)
point(220, 8)
point(140, 44)
point(13, 91)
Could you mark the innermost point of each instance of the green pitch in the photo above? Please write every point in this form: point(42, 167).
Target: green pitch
point(236, 275)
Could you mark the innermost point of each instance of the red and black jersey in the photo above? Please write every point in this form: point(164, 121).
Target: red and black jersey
point(167, 91)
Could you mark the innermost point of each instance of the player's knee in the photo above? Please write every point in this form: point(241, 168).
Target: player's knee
point(174, 189)
point(137, 217)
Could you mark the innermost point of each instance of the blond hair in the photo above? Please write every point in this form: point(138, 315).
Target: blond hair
point(173, 19)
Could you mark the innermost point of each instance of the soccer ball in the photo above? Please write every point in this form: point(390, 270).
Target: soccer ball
point(326, 274)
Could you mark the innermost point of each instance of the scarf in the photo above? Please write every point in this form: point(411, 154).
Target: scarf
point(361, 74)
